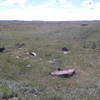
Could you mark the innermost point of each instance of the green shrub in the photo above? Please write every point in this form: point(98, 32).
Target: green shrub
point(91, 44)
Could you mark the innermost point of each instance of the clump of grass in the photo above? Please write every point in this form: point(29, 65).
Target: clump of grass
point(91, 45)
point(23, 91)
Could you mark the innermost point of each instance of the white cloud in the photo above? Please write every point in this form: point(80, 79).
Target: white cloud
point(45, 5)
point(12, 2)
point(50, 14)
point(67, 5)
point(64, 3)
point(60, 1)
point(96, 5)
point(7, 3)
point(87, 2)
point(90, 4)
point(54, 3)
point(21, 2)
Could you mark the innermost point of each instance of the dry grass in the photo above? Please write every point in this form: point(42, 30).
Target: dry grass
point(47, 39)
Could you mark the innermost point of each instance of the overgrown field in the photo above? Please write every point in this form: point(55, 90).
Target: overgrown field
point(26, 77)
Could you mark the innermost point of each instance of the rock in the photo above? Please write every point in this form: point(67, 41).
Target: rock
point(65, 52)
point(28, 66)
point(2, 49)
point(65, 49)
point(33, 54)
point(50, 61)
point(13, 98)
point(17, 57)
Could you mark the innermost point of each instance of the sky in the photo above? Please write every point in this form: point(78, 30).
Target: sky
point(50, 10)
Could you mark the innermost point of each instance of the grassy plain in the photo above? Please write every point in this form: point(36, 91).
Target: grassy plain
point(28, 76)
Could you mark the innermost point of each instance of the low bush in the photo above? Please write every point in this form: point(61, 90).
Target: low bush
point(91, 44)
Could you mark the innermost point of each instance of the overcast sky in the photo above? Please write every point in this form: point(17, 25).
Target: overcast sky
point(50, 10)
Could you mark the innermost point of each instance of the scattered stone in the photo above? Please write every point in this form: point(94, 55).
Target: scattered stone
point(10, 97)
point(33, 54)
point(65, 50)
point(17, 57)
point(50, 61)
point(2, 49)
point(28, 66)
point(13, 98)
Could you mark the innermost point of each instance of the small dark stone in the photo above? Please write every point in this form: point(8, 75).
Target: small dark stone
point(84, 24)
point(65, 49)
point(59, 69)
point(2, 49)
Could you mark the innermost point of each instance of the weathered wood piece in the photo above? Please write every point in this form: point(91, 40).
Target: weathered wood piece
point(66, 73)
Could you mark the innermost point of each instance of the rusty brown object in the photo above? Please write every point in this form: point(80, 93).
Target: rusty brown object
point(65, 73)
